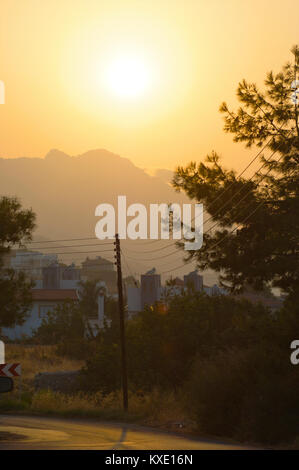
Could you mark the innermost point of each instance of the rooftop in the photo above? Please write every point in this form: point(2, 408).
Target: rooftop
point(54, 294)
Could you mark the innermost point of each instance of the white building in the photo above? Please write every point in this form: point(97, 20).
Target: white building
point(43, 301)
point(32, 262)
point(59, 284)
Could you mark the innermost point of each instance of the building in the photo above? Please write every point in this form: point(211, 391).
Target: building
point(100, 269)
point(150, 290)
point(43, 301)
point(60, 276)
point(178, 282)
point(214, 290)
point(193, 281)
point(134, 300)
point(148, 293)
point(58, 284)
point(172, 288)
point(31, 262)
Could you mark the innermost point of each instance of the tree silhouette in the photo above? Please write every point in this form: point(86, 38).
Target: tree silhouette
point(255, 221)
point(16, 226)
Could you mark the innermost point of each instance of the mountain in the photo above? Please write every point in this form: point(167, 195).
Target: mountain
point(64, 191)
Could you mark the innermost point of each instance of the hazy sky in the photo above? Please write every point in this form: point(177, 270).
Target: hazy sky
point(142, 78)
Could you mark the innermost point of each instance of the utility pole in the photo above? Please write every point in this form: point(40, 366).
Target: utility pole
point(122, 324)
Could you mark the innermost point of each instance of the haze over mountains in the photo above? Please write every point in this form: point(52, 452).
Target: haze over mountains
point(64, 191)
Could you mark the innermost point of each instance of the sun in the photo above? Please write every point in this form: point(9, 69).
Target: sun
point(128, 76)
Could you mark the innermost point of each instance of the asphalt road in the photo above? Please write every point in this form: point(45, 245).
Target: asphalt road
point(20, 432)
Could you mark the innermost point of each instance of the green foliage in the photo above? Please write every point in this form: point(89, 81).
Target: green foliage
point(265, 207)
point(15, 297)
point(248, 393)
point(247, 389)
point(102, 370)
point(111, 313)
point(64, 326)
point(89, 292)
point(230, 357)
point(241, 383)
point(67, 326)
point(162, 345)
point(16, 226)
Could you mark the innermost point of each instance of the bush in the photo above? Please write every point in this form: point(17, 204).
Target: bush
point(162, 345)
point(230, 357)
point(248, 394)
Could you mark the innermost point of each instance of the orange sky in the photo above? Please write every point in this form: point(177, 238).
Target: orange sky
point(55, 53)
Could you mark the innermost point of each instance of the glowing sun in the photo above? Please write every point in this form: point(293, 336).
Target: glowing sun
point(128, 76)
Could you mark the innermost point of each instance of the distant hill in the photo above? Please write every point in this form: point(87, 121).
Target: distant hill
point(64, 191)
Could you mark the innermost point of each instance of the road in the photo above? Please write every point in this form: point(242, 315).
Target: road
point(22, 432)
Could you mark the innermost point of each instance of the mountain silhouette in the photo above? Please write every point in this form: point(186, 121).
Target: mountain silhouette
point(64, 190)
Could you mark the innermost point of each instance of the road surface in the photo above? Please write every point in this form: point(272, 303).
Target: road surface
point(22, 432)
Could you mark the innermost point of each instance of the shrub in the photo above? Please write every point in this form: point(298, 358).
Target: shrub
point(247, 394)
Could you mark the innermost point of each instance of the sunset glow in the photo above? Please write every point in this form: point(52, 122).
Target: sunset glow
point(143, 79)
point(128, 76)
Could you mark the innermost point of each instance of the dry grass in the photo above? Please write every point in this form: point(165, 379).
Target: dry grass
point(157, 408)
point(35, 359)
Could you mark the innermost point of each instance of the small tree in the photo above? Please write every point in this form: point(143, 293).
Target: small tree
point(67, 325)
point(15, 297)
point(89, 293)
point(62, 324)
point(16, 226)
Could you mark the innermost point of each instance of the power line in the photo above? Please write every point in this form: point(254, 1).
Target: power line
point(149, 251)
point(212, 202)
point(152, 259)
point(245, 195)
point(150, 241)
point(217, 223)
point(66, 252)
point(228, 188)
point(71, 246)
point(162, 248)
point(242, 172)
point(128, 267)
point(234, 182)
point(227, 234)
point(36, 268)
point(234, 195)
point(154, 241)
point(65, 240)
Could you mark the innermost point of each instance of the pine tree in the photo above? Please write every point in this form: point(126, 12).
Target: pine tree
point(254, 239)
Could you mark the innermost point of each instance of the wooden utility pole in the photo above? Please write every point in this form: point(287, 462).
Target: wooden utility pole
point(122, 324)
